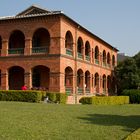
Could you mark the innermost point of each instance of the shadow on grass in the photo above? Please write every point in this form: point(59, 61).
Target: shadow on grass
point(128, 122)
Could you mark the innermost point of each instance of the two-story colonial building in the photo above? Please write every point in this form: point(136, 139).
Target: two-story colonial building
point(47, 49)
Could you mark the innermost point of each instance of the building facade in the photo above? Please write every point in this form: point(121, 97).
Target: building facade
point(48, 50)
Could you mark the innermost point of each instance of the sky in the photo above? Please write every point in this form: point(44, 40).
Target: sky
point(115, 21)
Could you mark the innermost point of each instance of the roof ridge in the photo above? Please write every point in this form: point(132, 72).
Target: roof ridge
point(32, 7)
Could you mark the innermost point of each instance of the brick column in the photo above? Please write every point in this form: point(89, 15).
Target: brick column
point(106, 87)
point(4, 80)
point(57, 83)
point(98, 85)
point(90, 54)
point(93, 91)
point(4, 50)
point(28, 46)
point(73, 50)
point(55, 44)
point(74, 86)
point(93, 58)
point(28, 79)
point(100, 59)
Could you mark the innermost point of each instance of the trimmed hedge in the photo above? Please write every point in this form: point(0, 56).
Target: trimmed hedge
point(106, 100)
point(57, 97)
point(20, 95)
point(32, 96)
point(134, 95)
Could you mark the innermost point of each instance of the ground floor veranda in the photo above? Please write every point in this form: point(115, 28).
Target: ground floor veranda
point(70, 82)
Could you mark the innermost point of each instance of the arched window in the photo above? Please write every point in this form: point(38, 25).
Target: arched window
point(80, 48)
point(108, 59)
point(109, 84)
point(80, 81)
point(68, 80)
point(69, 43)
point(96, 55)
point(87, 51)
point(104, 83)
point(16, 42)
point(104, 58)
point(79, 78)
point(87, 82)
point(68, 77)
point(113, 60)
point(16, 78)
point(87, 79)
point(96, 82)
point(40, 41)
point(40, 77)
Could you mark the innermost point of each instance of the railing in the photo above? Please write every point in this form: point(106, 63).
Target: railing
point(87, 58)
point(108, 65)
point(69, 52)
point(39, 49)
point(87, 91)
point(80, 55)
point(16, 51)
point(68, 91)
point(104, 91)
point(104, 64)
point(96, 61)
point(80, 91)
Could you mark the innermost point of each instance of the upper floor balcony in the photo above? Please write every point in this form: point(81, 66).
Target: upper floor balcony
point(21, 51)
point(16, 51)
point(40, 43)
point(40, 50)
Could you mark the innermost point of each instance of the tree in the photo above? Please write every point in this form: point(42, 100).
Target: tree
point(127, 75)
point(137, 59)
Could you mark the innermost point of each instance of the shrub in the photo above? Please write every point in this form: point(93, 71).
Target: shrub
point(57, 97)
point(134, 95)
point(19, 95)
point(106, 100)
point(86, 100)
point(62, 98)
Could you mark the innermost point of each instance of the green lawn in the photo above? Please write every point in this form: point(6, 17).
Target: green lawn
point(32, 121)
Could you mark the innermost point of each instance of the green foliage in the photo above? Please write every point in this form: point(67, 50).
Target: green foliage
point(106, 100)
point(133, 94)
point(62, 98)
point(57, 97)
point(19, 95)
point(137, 59)
point(86, 100)
point(127, 75)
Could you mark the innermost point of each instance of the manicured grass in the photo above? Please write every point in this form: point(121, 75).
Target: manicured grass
point(34, 121)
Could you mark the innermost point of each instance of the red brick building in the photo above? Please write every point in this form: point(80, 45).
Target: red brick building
point(48, 49)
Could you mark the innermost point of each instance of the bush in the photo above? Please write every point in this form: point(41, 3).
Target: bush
point(57, 97)
point(86, 100)
point(134, 95)
point(106, 100)
point(19, 95)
